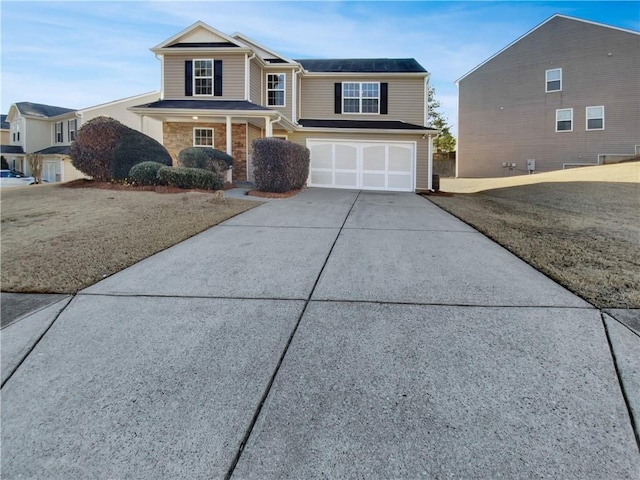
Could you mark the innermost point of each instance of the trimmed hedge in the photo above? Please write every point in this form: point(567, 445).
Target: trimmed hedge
point(145, 173)
point(279, 165)
point(184, 177)
point(206, 158)
point(105, 149)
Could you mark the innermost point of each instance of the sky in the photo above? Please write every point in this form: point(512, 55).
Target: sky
point(78, 54)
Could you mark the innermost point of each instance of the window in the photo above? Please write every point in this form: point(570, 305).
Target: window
point(275, 89)
point(16, 132)
point(72, 125)
point(554, 80)
point(58, 137)
point(203, 137)
point(564, 120)
point(360, 97)
point(595, 118)
point(203, 77)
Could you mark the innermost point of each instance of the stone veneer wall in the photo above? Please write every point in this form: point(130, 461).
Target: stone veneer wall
point(179, 135)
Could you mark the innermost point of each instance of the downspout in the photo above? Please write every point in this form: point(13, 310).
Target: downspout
point(269, 132)
point(294, 96)
point(247, 75)
point(426, 99)
point(161, 58)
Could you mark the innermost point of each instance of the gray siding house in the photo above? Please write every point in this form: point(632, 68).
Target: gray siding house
point(565, 94)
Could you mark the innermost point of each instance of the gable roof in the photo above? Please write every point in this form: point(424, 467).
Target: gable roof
point(40, 110)
point(363, 65)
point(364, 124)
point(199, 35)
point(268, 55)
point(557, 15)
point(4, 124)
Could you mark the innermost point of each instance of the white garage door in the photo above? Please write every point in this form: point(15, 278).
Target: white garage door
point(364, 165)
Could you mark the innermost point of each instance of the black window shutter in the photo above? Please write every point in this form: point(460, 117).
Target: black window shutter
point(384, 98)
point(217, 78)
point(338, 98)
point(188, 78)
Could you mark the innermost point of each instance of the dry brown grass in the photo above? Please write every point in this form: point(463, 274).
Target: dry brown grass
point(57, 239)
point(583, 234)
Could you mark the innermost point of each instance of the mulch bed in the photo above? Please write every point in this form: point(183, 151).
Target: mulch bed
point(86, 183)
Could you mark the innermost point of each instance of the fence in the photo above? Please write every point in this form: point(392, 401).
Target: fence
point(444, 164)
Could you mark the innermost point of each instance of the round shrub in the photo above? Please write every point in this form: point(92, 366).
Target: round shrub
point(279, 165)
point(105, 149)
point(145, 173)
point(206, 158)
point(183, 177)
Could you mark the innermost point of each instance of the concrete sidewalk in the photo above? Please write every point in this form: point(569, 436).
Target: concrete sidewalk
point(335, 334)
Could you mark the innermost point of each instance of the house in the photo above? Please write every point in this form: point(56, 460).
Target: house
point(364, 120)
point(4, 130)
point(50, 130)
point(565, 94)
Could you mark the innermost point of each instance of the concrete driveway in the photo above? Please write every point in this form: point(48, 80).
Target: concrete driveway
point(336, 334)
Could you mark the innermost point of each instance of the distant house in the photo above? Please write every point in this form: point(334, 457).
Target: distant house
point(4, 130)
point(50, 131)
point(565, 94)
point(363, 120)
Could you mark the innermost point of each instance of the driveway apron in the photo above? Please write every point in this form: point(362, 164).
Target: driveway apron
point(336, 334)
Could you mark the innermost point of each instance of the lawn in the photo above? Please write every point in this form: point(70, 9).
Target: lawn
point(580, 227)
point(60, 240)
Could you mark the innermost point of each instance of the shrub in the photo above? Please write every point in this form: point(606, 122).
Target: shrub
point(105, 149)
point(206, 158)
point(134, 148)
point(278, 165)
point(183, 177)
point(145, 173)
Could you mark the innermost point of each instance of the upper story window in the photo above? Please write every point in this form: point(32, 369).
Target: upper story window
point(203, 77)
point(16, 132)
point(72, 125)
point(360, 97)
point(564, 120)
point(553, 80)
point(58, 133)
point(276, 89)
point(595, 118)
point(203, 137)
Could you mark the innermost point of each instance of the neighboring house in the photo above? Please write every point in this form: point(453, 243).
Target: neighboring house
point(362, 119)
point(567, 93)
point(4, 130)
point(50, 130)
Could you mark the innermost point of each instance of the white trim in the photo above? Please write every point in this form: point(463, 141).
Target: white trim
point(196, 25)
point(126, 99)
point(193, 77)
point(213, 139)
point(536, 28)
point(378, 75)
point(284, 90)
point(243, 38)
point(360, 98)
point(561, 110)
point(586, 118)
point(546, 80)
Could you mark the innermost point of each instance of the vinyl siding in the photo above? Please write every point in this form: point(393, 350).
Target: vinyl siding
point(256, 80)
point(406, 99)
point(233, 71)
point(253, 132)
point(422, 146)
point(505, 115)
point(69, 172)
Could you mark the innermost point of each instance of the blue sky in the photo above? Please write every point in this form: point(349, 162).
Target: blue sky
point(82, 53)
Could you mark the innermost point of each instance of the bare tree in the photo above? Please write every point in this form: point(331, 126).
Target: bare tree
point(35, 163)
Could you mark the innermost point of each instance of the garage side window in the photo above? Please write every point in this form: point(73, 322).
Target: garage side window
point(203, 137)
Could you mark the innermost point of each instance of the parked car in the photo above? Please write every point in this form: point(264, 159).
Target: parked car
point(11, 178)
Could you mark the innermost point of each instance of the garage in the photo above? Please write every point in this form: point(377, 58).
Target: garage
point(362, 165)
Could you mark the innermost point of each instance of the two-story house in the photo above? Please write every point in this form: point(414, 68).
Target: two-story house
point(565, 94)
point(50, 131)
point(364, 120)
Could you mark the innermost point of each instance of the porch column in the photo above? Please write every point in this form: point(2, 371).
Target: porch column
point(269, 127)
point(229, 147)
point(430, 164)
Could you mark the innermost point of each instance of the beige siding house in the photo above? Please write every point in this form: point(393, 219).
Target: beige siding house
point(363, 120)
point(565, 94)
point(50, 131)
